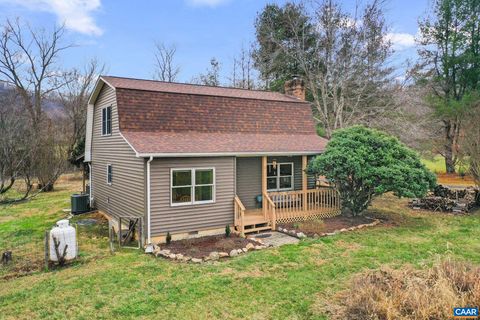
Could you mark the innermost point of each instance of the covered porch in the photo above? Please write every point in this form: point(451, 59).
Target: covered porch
point(278, 206)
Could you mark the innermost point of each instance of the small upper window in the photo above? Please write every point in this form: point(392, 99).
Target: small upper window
point(109, 174)
point(106, 121)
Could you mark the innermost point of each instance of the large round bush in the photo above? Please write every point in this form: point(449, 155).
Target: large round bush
point(363, 163)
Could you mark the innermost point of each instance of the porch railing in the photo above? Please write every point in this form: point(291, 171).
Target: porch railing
point(239, 210)
point(270, 210)
point(290, 206)
point(303, 204)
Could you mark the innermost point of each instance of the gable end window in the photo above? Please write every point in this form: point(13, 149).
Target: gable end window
point(280, 176)
point(106, 121)
point(109, 174)
point(192, 186)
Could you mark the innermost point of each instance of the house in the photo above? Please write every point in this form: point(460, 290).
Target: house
point(191, 159)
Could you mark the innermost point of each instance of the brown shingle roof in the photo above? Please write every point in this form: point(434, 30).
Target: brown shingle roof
point(165, 143)
point(165, 111)
point(173, 87)
point(163, 118)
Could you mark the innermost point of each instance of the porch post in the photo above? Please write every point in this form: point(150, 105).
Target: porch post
point(304, 182)
point(264, 184)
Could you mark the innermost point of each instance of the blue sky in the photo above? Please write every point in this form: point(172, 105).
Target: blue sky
point(122, 33)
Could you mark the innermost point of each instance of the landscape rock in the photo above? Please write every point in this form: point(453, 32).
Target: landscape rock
point(172, 256)
point(222, 254)
point(301, 235)
point(250, 246)
point(179, 256)
point(214, 255)
point(233, 253)
point(244, 249)
point(196, 260)
point(239, 251)
point(259, 247)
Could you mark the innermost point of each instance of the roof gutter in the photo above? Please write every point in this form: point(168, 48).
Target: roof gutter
point(225, 154)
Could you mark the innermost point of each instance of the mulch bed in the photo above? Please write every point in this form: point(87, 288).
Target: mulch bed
point(328, 225)
point(201, 247)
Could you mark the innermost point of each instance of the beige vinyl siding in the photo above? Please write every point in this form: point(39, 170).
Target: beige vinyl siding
point(249, 180)
point(249, 177)
point(190, 218)
point(126, 195)
point(310, 179)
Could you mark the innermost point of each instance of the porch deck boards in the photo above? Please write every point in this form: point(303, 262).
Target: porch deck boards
point(254, 216)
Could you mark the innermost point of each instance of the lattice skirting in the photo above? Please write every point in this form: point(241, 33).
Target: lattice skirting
point(305, 216)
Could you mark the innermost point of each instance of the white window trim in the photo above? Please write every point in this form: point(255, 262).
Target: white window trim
point(109, 165)
point(192, 187)
point(278, 177)
point(111, 122)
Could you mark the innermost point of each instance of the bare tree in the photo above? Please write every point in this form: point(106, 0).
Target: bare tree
point(51, 158)
point(28, 61)
point(165, 67)
point(74, 99)
point(345, 69)
point(16, 151)
point(470, 140)
point(211, 77)
point(242, 75)
point(412, 120)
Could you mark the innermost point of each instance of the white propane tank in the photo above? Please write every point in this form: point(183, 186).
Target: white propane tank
point(67, 236)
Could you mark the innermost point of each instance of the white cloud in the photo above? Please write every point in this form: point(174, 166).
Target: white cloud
point(208, 3)
point(76, 14)
point(401, 40)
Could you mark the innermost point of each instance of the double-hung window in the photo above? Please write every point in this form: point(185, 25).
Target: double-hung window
point(192, 186)
point(106, 121)
point(109, 174)
point(280, 176)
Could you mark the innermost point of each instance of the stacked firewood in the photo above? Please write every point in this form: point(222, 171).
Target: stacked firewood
point(448, 200)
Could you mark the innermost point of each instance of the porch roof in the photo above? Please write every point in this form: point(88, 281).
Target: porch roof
point(219, 143)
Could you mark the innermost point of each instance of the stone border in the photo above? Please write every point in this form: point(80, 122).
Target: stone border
point(301, 235)
point(213, 256)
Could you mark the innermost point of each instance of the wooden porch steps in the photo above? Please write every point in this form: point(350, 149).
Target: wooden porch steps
point(255, 228)
point(254, 221)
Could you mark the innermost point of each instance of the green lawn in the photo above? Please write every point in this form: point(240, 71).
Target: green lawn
point(291, 282)
point(437, 164)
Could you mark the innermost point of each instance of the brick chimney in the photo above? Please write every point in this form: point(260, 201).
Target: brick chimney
point(295, 87)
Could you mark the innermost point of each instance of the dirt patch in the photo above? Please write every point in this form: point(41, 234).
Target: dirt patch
point(453, 179)
point(201, 247)
point(328, 225)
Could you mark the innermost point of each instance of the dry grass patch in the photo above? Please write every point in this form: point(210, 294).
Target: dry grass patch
point(408, 293)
